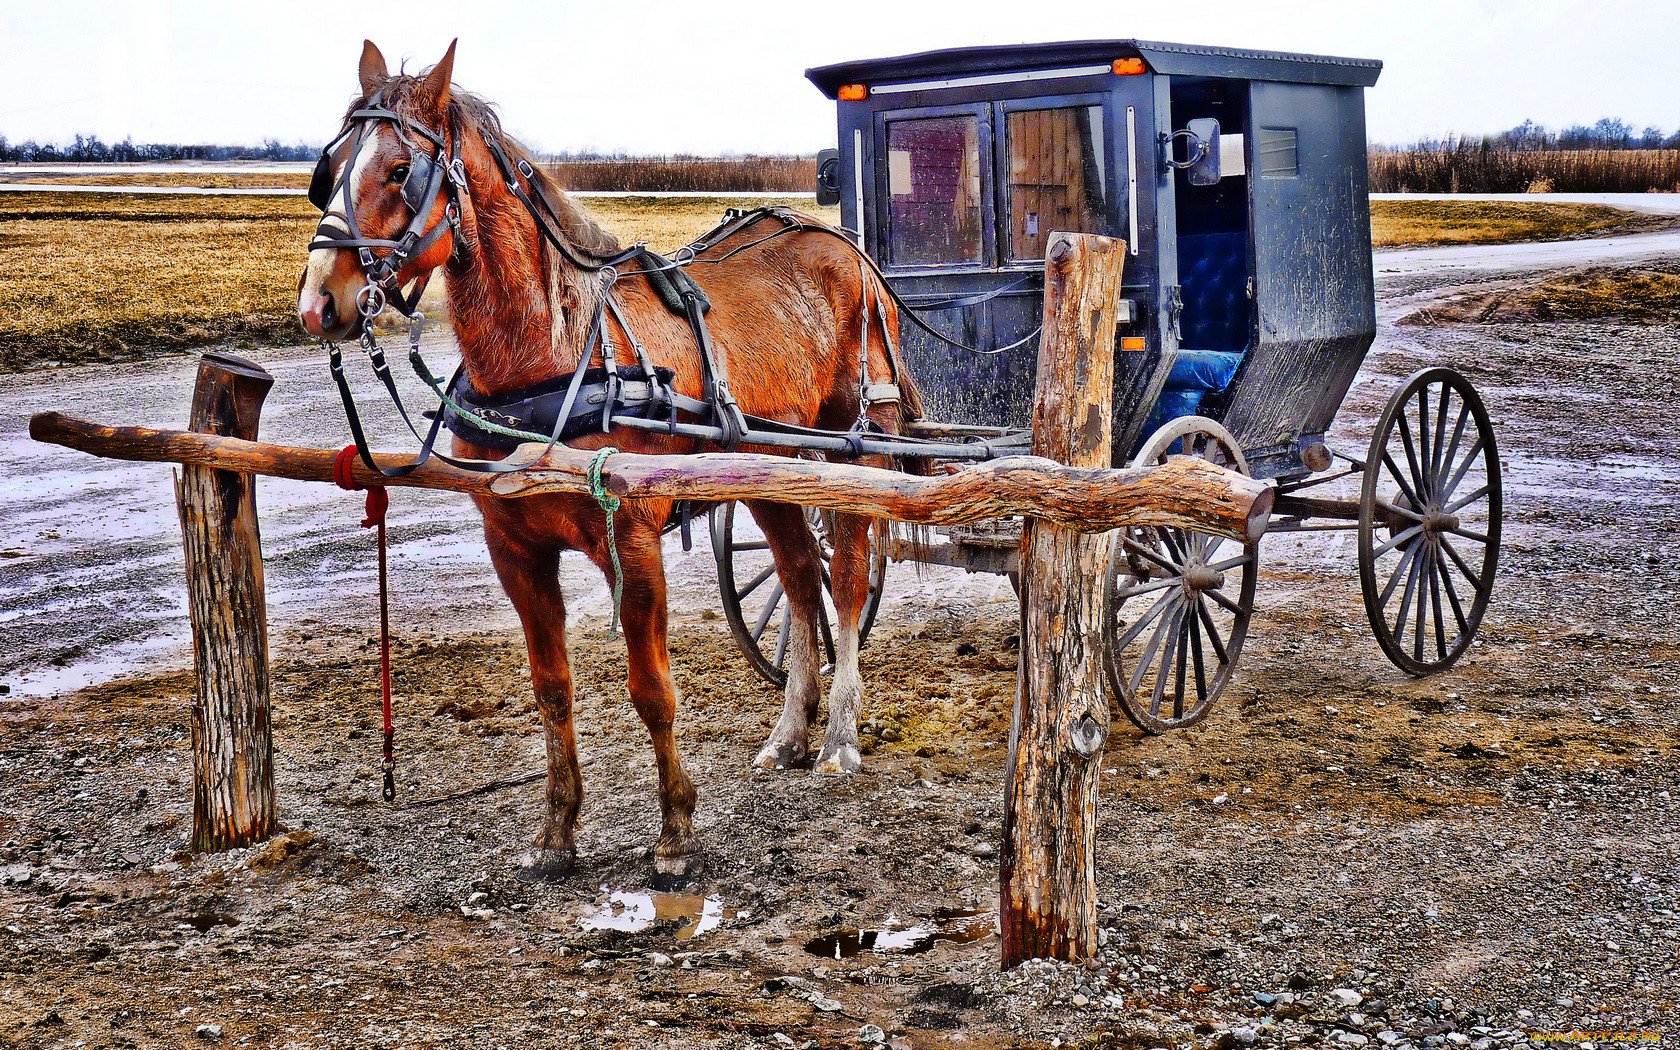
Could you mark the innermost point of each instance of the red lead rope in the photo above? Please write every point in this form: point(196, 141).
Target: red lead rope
point(378, 500)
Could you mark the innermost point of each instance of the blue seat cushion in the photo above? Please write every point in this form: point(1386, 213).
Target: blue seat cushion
point(1208, 370)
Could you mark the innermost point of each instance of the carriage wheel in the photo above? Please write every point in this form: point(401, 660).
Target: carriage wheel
point(1429, 517)
point(1178, 601)
point(751, 592)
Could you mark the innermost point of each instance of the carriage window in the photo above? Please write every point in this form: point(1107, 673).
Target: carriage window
point(933, 183)
point(1056, 159)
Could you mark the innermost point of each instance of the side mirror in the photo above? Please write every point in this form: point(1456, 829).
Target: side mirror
point(828, 178)
point(1204, 169)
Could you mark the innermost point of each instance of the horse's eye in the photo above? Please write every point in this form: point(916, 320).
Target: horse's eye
point(399, 174)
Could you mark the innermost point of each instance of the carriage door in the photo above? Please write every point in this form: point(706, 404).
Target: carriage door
point(1312, 260)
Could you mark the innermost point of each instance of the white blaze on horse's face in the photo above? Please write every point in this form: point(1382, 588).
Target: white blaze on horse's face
point(333, 276)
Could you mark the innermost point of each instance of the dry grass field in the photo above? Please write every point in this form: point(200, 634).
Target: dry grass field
point(96, 277)
point(1471, 166)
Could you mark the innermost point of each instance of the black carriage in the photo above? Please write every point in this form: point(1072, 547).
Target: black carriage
point(1237, 180)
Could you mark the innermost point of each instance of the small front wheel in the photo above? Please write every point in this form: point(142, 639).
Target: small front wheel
point(1178, 601)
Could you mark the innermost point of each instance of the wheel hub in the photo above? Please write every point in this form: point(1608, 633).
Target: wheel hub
point(1434, 521)
point(1202, 578)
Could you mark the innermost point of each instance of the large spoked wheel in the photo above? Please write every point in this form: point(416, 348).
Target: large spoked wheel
point(1429, 516)
point(752, 596)
point(1178, 601)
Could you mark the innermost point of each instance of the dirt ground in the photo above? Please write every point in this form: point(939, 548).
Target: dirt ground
point(1338, 856)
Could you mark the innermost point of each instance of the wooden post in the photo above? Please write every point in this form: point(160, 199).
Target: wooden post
point(1048, 881)
point(233, 750)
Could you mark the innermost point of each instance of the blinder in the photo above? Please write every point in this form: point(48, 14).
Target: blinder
point(414, 189)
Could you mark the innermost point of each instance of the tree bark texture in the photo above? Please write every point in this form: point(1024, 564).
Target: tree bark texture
point(1047, 877)
point(1184, 493)
point(233, 749)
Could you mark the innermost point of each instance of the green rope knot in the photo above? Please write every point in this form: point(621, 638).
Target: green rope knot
point(609, 504)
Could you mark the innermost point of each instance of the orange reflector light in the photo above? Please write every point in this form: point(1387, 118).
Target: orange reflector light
point(854, 92)
point(1131, 342)
point(1129, 67)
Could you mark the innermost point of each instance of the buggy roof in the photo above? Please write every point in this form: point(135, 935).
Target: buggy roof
point(1175, 59)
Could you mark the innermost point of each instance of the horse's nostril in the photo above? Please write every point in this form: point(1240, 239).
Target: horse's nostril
point(329, 315)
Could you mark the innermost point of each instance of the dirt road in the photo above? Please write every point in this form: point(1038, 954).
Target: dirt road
point(1339, 856)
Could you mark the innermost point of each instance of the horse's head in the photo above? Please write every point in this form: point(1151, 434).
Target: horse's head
point(388, 202)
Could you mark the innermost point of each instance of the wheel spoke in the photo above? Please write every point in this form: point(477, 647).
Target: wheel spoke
point(1173, 545)
point(1394, 580)
point(1465, 501)
point(1399, 477)
point(1137, 628)
point(1226, 602)
point(782, 637)
point(827, 632)
point(1452, 552)
point(1435, 604)
point(1422, 600)
point(1148, 654)
point(1477, 537)
point(1165, 669)
point(1213, 632)
point(1469, 458)
point(1231, 563)
point(1390, 508)
point(1145, 588)
point(750, 545)
point(1196, 653)
point(768, 611)
point(1458, 435)
point(1411, 455)
point(1183, 659)
point(1396, 540)
point(1440, 436)
point(1423, 477)
point(1148, 555)
point(1452, 596)
point(756, 581)
point(1406, 601)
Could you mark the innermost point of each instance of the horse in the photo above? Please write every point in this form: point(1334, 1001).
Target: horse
point(789, 322)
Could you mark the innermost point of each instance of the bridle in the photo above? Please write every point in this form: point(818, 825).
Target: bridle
point(441, 172)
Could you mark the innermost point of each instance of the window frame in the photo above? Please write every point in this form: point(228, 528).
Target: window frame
point(982, 114)
point(1111, 172)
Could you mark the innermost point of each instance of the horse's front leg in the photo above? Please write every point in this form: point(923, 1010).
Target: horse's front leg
point(849, 576)
point(531, 577)
point(676, 857)
point(799, 568)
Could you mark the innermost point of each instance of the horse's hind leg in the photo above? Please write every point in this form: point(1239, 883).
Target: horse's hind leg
point(799, 567)
point(676, 857)
point(532, 581)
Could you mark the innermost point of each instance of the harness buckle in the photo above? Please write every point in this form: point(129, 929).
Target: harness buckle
point(525, 168)
point(370, 301)
point(458, 172)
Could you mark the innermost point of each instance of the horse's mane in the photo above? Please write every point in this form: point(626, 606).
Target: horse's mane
point(467, 110)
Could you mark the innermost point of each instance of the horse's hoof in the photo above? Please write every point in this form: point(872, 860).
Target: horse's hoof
point(676, 873)
point(780, 756)
point(546, 865)
point(842, 759)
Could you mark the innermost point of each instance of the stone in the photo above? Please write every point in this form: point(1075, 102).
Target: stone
point(1351, 1039)
point(1457, 1039)
point(1265, 998)
point(1346, 997)
point(1244, 1036)
point(208, 1031)
point(825, 1004)
point(871, 1033)
point(1389, 1037)
point(1080, 1000)
point(660, 959)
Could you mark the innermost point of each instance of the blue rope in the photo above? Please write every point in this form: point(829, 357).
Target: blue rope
point(609, 505)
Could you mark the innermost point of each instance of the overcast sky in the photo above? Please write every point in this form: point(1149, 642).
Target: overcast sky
point(727, 76)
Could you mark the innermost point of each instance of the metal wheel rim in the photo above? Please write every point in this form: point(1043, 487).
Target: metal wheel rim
point(1448, 466)
point(763, 640)
point(1178, 621)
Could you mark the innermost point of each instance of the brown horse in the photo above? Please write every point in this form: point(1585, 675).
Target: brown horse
point(788, 322)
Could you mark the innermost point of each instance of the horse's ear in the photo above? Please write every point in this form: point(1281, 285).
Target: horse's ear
point(372, 69)
point(433, 95)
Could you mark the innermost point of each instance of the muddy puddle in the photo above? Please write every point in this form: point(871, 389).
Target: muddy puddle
point(633, 912)
point(946, 926)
